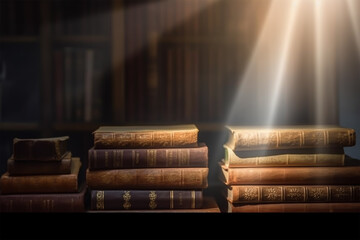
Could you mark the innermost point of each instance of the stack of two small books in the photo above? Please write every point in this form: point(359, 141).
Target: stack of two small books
point(290, 169)
point(42, 176)
point(152, 168)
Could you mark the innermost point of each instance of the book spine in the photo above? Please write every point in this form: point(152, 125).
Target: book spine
point(142, 199)
point(277, 193)
point(284, 160)
point(295, 175)
point(147, 158)
point(39, 150)
point(38, 167)
point(64, 202)
point(144, 140)
point(150, 178)
point(288, 139)
point(38, 184)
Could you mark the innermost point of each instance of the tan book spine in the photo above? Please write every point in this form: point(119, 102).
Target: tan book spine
point(291, 175)
point(231, 159)
point(290, 138)
point(152, 178)
point(295, 193)
point(59, 183)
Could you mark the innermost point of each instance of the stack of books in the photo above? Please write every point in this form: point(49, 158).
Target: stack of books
point(42, 176)
point(290, 169)
point(147, 168)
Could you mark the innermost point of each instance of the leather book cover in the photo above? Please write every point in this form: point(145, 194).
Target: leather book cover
point(18, 167)
point(148, 158)
point(253, 138)
point(59, 183)
point(44, 202)
point(40, 149)
point(111, 137)
point(145, 199)
point(148, 178)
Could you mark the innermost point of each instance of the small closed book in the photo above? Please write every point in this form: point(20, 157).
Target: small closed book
point(111, 137)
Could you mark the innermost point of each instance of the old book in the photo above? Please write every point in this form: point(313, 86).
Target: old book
point(148, 158)
point(145, 199)
point(40, 149)
point(60, 183)
point(284, 157)
point(44, 202)
point(290, 175)
point(292, 193)
point(254, 138)
point(292, 207)
point(148, 178)
point(145, 136)
point(18, 167)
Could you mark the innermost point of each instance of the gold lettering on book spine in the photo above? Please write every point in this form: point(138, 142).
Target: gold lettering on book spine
point(151, 157)
point(127, 197)
point(193, 199)
point(171, 199)
point(100, 200)
point(152, 198)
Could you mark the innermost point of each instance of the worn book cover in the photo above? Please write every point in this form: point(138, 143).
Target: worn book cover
point(284, 157)
point(148, 157)
point(145, 136)
point(33, 167)
point(293, 137)
point(40, 149)
point(55, 183)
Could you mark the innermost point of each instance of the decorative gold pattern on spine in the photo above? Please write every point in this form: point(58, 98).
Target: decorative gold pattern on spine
point(171, 199)
point(152, 198)
point(151, 157)
point(193, 199)
point(100, 200)
point(127, 197)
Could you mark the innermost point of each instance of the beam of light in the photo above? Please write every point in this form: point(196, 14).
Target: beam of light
point(355, 21)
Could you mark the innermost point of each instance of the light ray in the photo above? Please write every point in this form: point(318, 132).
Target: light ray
point(355, 21)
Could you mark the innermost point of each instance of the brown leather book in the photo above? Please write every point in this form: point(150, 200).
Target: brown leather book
point(292, 207)
point(292, 193)
point(284, 157)
point(40, 149)
point(28, 167)
point(293, 137)
point(148, 158)
point(44, 202)
point(145, 136)
point(60, 183)
point(148, 178)
point(145, 199)
point(290, 175)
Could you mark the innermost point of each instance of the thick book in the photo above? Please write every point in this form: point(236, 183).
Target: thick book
point(59, 183)
point(145, 136)
point(40, 149)
point(284, 157)
point(28, 167)
point(292, 193)
point(148, 178)
point(148, 158)
point(290, 175)
point(353, 207)
point(293, 137)
point(145, 199)
point(44, 202)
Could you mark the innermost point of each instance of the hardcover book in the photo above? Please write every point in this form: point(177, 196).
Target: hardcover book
point(40, 149)
point(145, 199)
point(112, 137)
point(292, 193)
point(284, 157)
point(148, 178)
point(148, 158)
point(59, 183)
point(28, 167)
point(294, 137)
point(290, 175)
point(44, 202)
